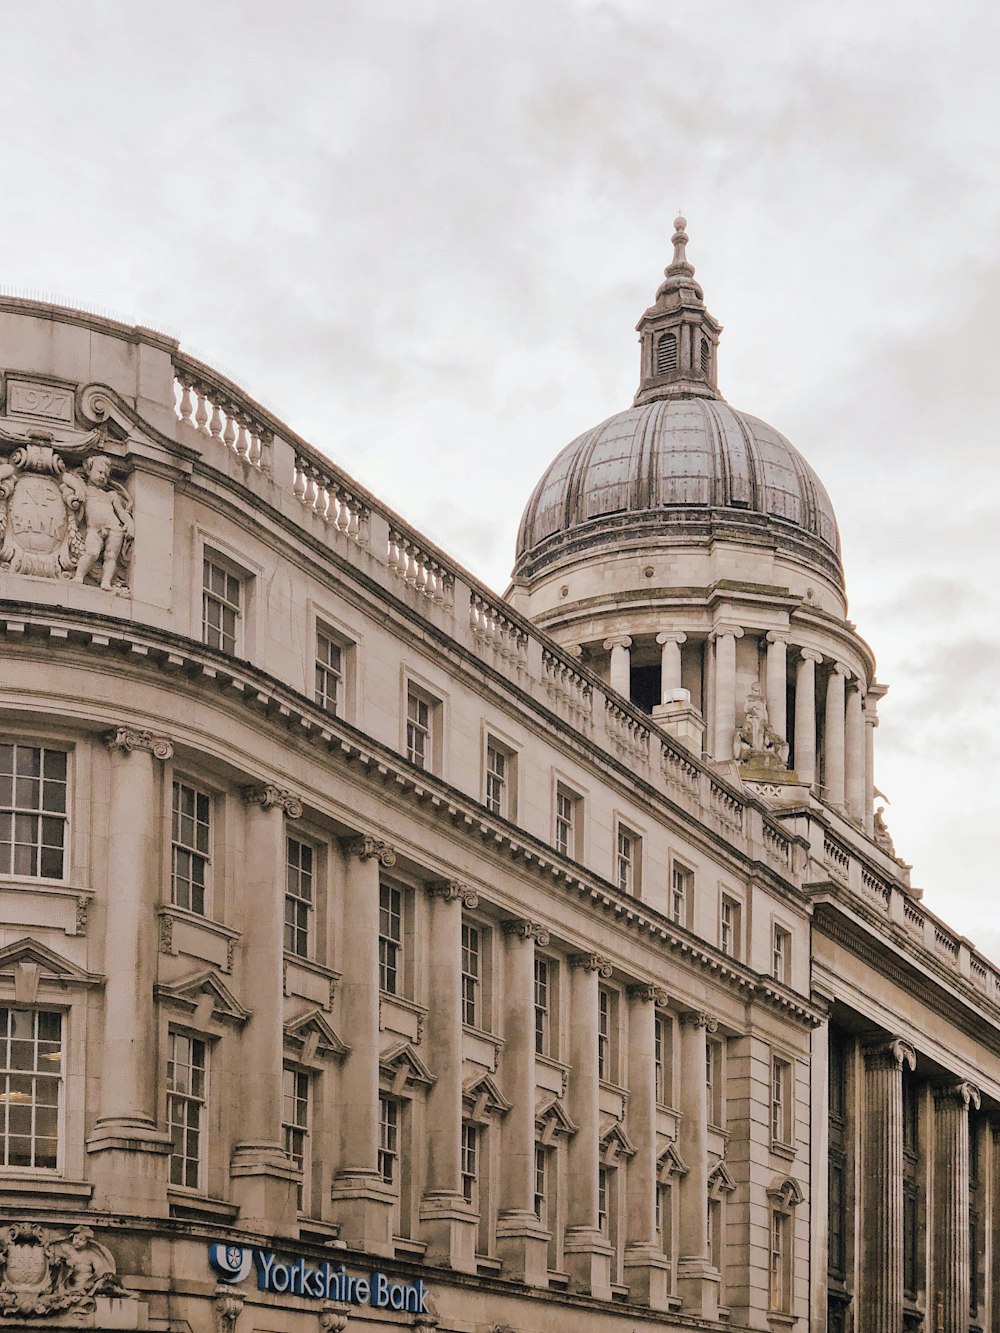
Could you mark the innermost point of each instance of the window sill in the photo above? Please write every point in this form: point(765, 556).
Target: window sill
point(550, 1062)
point(197, 1207)
point(486, 1265)
point(45, 1191)
point(317, 1232)
point(414, 1248)
point(311, 965)
point(483, 1035)
point(783, 1318)
point(785, 1150)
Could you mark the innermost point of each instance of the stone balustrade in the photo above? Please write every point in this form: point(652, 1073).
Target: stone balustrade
point(420, 570)
point(569, 693)
point(497, 633)
point(215, 408)
point(331, 500)
point(628, 736)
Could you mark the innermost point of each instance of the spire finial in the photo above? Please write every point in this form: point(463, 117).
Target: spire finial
point(679, 263)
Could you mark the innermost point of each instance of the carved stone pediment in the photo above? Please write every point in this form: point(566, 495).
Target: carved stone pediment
point(62, 514)
point(46, 1273)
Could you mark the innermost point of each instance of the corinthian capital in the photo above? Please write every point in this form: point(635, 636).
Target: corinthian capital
point(453, 890)
point(268, 796)
point(367, 848)
point(526, 930)
point(127, 739)
point(591, 962)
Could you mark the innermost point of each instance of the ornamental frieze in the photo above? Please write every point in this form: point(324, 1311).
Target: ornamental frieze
point(62, 514)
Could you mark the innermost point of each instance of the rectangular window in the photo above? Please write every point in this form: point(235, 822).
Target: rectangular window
point(30, 1087)
point(388, 1140)
point(837, 1186)
point(470, 1163)
point(471, 975)
point(221, 604)
point(910, 1242)
point(838, 1076)
point(729, 927)
point(781, 948)
point(627, 860)
point(187, 1089)
point(714, 1224)
point(605, 1005)
point(781, 1101)
point(295, 1125)
point(32, 811)
point(299, 899)
point(779, 1261)
point(419, 749)
point(497, 780)
point(190, 847)
point(329, 673)
point(568, 829)
point(664, 1218)
point(541, 1184)
point(603, 1186)
point(390, 939)
point(542, 1006)
point(663, 1058)
point(681, 881)
point(713, 1082)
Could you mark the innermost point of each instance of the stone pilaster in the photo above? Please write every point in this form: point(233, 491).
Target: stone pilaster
point(805, 714)
point(263, 1179)
point(881, 1235)
point(833, 738)
point(620, 674)
point(697, 1279)
point(587, 1252)
point(724, 638)
point(522, 1241)
point(129, 1165)
point(951, 1204)
point(646, 1267)
point(854, 748)
point(363, 1203)
point(777, 683)
point(670, 662)
point(448, 1223)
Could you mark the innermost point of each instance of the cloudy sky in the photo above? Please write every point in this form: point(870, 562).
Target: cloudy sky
point(422, 231)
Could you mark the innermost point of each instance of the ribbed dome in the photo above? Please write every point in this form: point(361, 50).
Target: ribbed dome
point(678, 466)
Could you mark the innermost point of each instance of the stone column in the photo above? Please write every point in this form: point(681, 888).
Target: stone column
point(670, 663)
point(854, 750)
point(448, 1223)
point(871, 722)
point(522, 1241)
point(777, 683)
point(129, 1155)
point(697, 1279)
point(833, 740)
point(363, 1203)
point(263, 1179)
point(881, 1233)
point(951, 1204)
point(620, 677)
point(587, 1252)
point(646, 1267)
point(805, 715)
point(725, 691)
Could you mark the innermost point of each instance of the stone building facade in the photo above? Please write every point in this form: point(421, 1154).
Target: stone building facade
point(379, 952)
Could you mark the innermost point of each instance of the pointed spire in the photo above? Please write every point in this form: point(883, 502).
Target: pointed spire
point(678, 335)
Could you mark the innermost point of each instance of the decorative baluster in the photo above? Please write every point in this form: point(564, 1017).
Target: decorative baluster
point(186, 408)
point(229, 430)
point(201, 413)
point(215, 429)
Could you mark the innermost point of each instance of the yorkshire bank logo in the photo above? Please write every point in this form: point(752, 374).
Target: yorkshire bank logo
point(323, 1282)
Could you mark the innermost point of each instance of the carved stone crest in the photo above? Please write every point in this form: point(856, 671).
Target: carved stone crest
point(61, 523)
point(45, 1273)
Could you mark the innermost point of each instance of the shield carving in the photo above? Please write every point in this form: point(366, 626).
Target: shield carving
point(26, 1264)
point(37, 515)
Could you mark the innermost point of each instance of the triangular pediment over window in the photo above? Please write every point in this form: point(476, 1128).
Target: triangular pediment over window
point(27, 963)
point(552, 1121)
point(720, 1181)
point(482, 1098)
point(402, 1067)
point(205, 998)
point(670, 1163)
point(312, 1037)
point(615, 1144)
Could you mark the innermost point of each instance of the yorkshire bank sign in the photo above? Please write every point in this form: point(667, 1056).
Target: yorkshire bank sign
point(323, 1282)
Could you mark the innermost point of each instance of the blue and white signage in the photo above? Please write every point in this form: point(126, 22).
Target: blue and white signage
point(323, 1282)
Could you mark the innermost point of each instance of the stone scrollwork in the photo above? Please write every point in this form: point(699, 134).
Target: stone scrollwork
point(267, 795)
point(453, 890)
point(649, 994)
point(367, 848)
point(591, 962)
point(527, 930)
point(45, 1272)
point(228, 1306)
point(697, 1018)
point(127, 739)
point(333, 1317)
point(62, 524)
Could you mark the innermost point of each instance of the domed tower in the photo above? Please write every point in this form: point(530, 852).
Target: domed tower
point(691, 556)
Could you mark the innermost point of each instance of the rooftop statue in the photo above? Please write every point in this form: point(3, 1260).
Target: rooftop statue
point(756, 741)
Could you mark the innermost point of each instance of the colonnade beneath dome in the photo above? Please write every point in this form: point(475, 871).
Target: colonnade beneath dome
point(825, 710)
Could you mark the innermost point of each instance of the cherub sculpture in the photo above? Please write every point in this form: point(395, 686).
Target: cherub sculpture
point(106, 513)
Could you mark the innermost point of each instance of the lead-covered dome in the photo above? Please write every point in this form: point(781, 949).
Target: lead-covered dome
point(680, 465)
point(685, 463)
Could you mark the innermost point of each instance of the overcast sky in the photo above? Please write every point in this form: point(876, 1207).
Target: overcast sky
point(422, 231)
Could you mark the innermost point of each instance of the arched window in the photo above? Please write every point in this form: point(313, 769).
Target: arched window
point(706, 357)
point(666, 353)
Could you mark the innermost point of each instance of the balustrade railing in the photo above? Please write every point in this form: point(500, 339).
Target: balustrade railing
point(837, 858)
point(322, 494)
point(420, 570)
point(629, 737)
point(728, 807)
point(913, 917)
point(877, 887)
point(777, 846)
point(495, 632)
point(678, 770)
point(212, 410)
point(570, 694)
point(946, 944)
